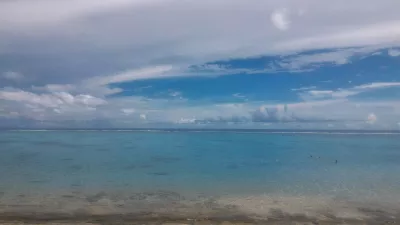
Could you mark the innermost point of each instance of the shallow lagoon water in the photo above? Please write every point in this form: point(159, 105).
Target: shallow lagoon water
point(252, 172)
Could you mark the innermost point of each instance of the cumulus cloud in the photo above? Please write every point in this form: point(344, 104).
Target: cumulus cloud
point(223, 120)
point(280, 19)
point(48, 106)
point(175, 93)
point(281, 114)
point(371, 119)
point(186, 121)
point(169, 112)
point(322, 114)
point(394, 52)
point(143, 116)
point(51, 100)
point(128, 111)
point(76, 51)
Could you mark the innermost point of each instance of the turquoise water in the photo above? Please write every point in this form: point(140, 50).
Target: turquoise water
point(364, 166)
point(201, 162)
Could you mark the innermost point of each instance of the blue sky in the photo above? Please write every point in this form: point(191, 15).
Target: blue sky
point(207, 64)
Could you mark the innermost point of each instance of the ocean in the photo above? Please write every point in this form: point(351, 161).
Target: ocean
point(200, 174)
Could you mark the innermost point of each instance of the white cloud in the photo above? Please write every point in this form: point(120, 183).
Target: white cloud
point(375, 34)
point(377, 85)
point(394, 52)
point(344, 93)
point(371, 119)
point(304, 88)
point(78, 43)
point(118, 34)
point(280, 19)
point(143, 116)
point(56, 108)
point(238, 95)
point(12, 75)
point(321, 93)
point(128, 111)
point(315, 60)
point(175, 94)
point(54, 100)
point(25, 13)
point(139, 74)
point(186, 121)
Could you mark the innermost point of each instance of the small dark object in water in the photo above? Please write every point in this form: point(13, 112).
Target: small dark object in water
point(336, 161)
point(159, 174)
point(310, 156)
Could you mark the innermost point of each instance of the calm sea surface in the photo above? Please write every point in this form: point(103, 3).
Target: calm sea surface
point(344, 166)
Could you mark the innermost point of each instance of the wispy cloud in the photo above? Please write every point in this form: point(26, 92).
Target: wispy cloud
point(139, 74)
point(304, 88)
point(344, 93)
point(69, 58)
point(12, 75)
point(328, 57)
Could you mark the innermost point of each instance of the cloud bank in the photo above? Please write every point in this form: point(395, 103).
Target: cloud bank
point(66, 60)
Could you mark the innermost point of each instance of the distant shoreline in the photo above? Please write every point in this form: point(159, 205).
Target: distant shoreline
point(270, 131)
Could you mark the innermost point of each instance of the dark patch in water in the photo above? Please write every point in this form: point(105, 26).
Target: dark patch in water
point(76, 184)
point(66, 159)
point(68, 196)
point(232, 166)
point(159, 174)
point(145, 166)
point(165, 159)
point(38, 181)
point(96, 197)
point(392, 158)
point(102, 149)
point(130, 167)
point(27, 156)
point(4, 142)
point(55, 144)
point(75, 168)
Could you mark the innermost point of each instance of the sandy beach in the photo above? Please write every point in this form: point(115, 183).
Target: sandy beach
point(171, 208)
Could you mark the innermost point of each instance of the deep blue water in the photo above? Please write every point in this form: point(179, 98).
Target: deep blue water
point(211, 163)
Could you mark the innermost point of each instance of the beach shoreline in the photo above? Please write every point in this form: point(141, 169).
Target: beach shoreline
point(376, 217)
point(168, 208)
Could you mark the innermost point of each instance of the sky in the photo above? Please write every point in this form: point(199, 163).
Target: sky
point(278, 64)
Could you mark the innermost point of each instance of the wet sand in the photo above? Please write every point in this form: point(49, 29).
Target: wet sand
point(171, 208)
